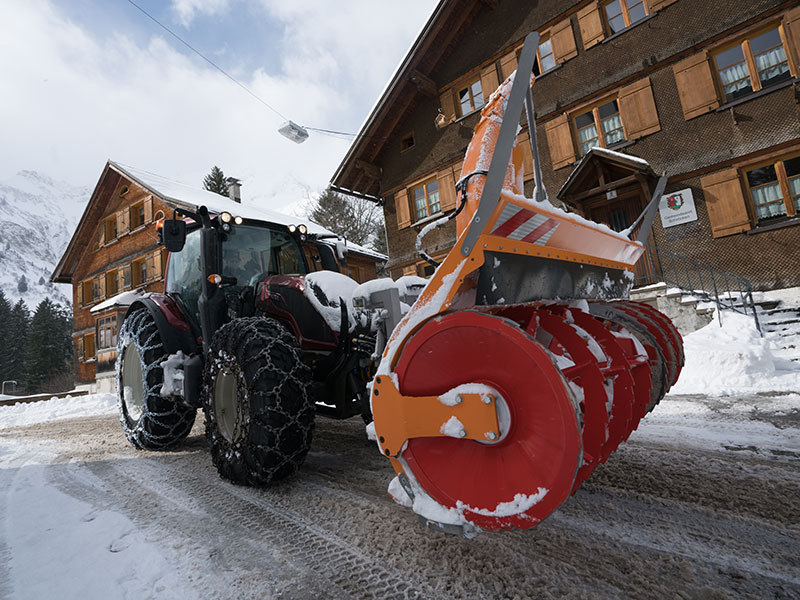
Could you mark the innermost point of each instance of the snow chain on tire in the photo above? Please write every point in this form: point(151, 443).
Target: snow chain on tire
point(266, 420)
point(163, 421)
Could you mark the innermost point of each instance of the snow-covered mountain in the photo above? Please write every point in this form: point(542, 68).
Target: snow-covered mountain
point(37, 218)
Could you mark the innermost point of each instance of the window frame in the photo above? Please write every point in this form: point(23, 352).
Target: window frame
point(424, 185)
point(468, 82)
point(626, 17)
point(136, 210)
point(594, 108)
point(106, 327)
point(743, 41)
point(783, 182)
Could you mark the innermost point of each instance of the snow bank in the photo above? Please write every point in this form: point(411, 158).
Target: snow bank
point(21, 415)
point(734, 359)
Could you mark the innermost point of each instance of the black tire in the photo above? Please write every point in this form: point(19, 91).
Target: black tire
point(257, 402)
point(149, 420)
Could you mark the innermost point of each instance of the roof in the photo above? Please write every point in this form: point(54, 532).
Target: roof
point(633, 163)
point(180, 195)
point(433, 44)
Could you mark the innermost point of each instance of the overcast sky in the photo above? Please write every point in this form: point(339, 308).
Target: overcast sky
point(82, 81)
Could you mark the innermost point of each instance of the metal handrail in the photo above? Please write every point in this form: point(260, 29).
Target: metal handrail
point(728, 290)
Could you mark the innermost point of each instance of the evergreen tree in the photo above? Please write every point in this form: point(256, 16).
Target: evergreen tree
point(215, 181)
point(6, 347)
point(17, 336)
point(22, 286)
point(47, 354)
point(356, 219)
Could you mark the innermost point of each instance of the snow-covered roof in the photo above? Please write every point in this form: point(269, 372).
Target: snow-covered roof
point(122, 299)
point(187, 196)
point(634, 162)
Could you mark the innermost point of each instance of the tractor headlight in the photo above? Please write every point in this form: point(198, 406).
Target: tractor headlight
point(302, 229)
point(292, 228)
point(226, 217)
point(226, 227)
point(238, 220)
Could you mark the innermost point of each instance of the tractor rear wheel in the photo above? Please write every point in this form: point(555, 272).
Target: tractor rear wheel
point(259, 413)
point(150, 421)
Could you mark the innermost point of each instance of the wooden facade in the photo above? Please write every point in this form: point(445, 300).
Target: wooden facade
point(706, 92)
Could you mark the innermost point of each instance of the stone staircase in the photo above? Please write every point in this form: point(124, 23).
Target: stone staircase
point(778, 313)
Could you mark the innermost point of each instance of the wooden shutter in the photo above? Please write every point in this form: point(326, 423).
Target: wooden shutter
point(659, 4)
point(125, 276)
point(725, 202)
point(448, 105)
point(638, 109)
point(447, 189)
point(508, 64)
point(410, 270)
point(591, 24)
point(524, 144)
point(79, 294)
point(559, 140)
point(123, 221)
point(401, 206)
point(563, 41)
point(696, 87)
point(157, 265)
point(457, 171)
point(489, 81)
point(148, 209)
point(791, 30)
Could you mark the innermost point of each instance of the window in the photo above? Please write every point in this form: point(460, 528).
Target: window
point(601, 126)
point(79, 346)
point(775, 189)
point(426, 199)
point(139, 268)
point(125, 275)
point(752, 64)
point(107, 332)
point(407, 142)
point(98, 286)
point(137, 215)
point(545, 57)
point(470, 98)
point(624, 13)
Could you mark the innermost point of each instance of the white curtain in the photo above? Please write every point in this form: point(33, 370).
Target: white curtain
point(612, 129)
point(735, 78)
point(794, 186)
point(587, 138)
point(768, 193)
point(772, 63)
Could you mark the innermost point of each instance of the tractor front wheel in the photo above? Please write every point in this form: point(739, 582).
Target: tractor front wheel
point(150, 421)
point(259, 414)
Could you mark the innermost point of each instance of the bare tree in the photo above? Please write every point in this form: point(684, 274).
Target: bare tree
point(356, 219)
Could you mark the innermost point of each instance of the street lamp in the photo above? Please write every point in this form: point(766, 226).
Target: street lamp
point(291, 130)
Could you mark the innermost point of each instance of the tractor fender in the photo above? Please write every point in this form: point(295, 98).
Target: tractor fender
point(173, 328)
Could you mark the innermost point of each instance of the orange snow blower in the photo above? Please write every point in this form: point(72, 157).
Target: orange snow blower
point(521, 367)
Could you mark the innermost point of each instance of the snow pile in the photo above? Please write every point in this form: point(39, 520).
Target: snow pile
point(122, 299)
point(327, 290)
point(21, 415)
point(733, 359)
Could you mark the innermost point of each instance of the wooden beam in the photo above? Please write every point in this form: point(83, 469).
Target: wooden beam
point(425, 85)
point(490, 4)
point(370, 170)
point(602, 188)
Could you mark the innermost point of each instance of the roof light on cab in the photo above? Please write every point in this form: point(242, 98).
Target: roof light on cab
point(226, 217)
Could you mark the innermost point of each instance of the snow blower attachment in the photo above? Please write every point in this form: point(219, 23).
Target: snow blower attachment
point(521, 367)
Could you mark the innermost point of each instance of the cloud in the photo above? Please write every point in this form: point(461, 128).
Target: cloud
point(187, 10)
point(73, 97)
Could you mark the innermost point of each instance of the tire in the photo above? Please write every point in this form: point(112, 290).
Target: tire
point(257, 402)
point(150, 421)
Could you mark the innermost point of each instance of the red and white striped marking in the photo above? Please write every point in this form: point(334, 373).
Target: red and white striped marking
point(524, 225)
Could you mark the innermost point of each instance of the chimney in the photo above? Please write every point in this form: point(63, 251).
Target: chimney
point(234, 189)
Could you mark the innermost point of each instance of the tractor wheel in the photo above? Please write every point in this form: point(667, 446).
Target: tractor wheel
point(149, 420)
point(257, 402)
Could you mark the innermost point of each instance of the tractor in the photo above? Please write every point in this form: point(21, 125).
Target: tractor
point(494, 388)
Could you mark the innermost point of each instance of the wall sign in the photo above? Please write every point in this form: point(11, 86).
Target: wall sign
point(677, 208)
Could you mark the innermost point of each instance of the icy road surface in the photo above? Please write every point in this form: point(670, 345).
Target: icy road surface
point(702, 502)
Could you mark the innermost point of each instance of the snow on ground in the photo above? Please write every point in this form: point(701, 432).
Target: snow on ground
point(23, 414)
point(734, 359)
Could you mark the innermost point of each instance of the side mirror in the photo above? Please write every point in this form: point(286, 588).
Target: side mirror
point(173, 234)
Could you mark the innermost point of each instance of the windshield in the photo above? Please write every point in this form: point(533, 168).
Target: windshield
point(249, 253)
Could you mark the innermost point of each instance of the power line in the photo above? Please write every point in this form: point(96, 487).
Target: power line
point(208, 60)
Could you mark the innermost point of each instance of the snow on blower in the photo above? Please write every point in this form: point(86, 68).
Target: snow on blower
point(495, 388)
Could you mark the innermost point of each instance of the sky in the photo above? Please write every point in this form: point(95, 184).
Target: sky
point(83, 81)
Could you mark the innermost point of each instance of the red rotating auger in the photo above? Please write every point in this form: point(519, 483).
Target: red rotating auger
point(521, 367)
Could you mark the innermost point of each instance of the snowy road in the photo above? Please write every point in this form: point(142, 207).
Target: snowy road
point(702, 502)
